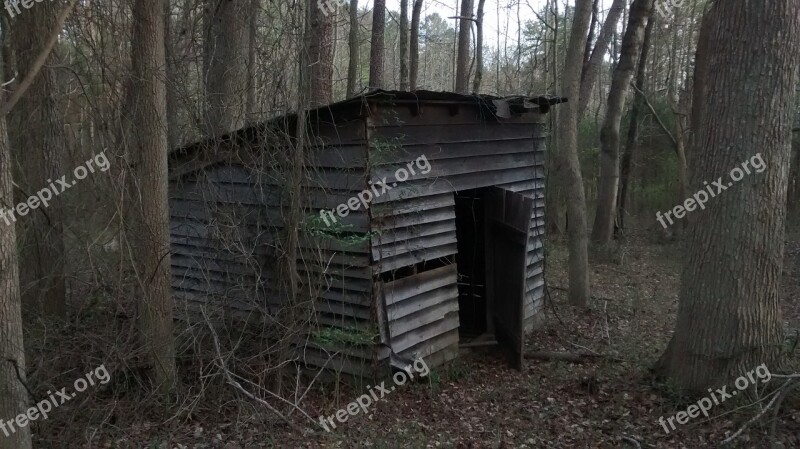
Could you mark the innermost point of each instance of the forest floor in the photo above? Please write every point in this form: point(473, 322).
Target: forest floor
point(477, 401)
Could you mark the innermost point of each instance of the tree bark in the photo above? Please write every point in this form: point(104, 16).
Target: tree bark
point(225, 64)
point(633, 130)
point(568, 152)
point(376, 49)
point(352, 64)
point(151, 214)
point(13, 395)
point(414, 44)
point(403, 45)
point(592, 68)
point(320, 54)
point(462, 58)
point(476, 82)
point(608, 185)
point(729, 318)
point(42, 251)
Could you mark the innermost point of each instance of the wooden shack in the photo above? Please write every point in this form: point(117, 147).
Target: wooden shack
point(448, 249)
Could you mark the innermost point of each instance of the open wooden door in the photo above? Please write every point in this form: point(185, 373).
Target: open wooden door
point(508, 217)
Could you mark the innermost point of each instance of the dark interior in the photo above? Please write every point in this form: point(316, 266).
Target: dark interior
point(471, 260)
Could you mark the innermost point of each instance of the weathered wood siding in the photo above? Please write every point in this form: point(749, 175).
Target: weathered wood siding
point(414, 221)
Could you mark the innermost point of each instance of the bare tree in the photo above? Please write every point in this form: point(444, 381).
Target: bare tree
point(352, 65)
point(729, 318)
point(42, 252)
point(225, 68)
point(592, 67)
point(376, 52)
point(320, 53)
point(633, 129)
point(476, 82)
point(403, 44)
point(152, 216)
point(462, 58)
point(414, 44)
point(13, 395)
point(603, 229)
point(568, 153)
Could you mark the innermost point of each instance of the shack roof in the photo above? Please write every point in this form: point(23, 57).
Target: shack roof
point(501, 107)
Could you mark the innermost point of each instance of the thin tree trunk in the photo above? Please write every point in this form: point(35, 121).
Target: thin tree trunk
point(152, 235)
point(603, 229)
point(226, 64)
point(633, 130)
point(320, 53)
point(251, 105)
point(553, 189)
point(414, 44)
point(352, 42)
point(729, 318)
point(377, 48)
point(476, 82)
point(587, 52)
point(404, 45)
point(568, 152)
point(592, 68)
point(462, 61)
point(171, 79)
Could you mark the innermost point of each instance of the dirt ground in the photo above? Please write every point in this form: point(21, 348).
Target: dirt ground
point(477, 401)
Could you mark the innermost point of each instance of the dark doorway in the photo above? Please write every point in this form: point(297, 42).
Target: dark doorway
point(492, 229)
point(471, 262)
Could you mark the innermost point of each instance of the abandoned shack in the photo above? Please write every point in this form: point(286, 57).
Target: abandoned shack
point(422, 220)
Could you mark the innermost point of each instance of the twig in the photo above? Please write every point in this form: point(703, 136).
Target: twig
point(237, 385)
point(658, 119)
point(759, 414)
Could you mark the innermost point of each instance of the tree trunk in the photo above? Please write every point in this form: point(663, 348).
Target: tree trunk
point(568, 152)
point(462, 59)
point(587, 52)
point(600, 49)
point(414, 44)
point(41, 156)
point(352, 42)
point(173, 138)
point(225, 62)
point(13, 396)
point(376, 49)
point(476, 82)
point(320, 55)
point(633, 130)
point(251, 109)
point(403, 45)
point(553, 187)
point(607, 190)
point(152, 235)
point(729, 318)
